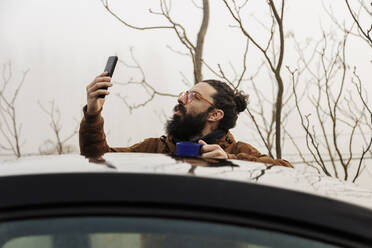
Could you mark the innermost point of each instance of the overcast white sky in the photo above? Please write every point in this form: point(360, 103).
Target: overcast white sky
point(65, 44)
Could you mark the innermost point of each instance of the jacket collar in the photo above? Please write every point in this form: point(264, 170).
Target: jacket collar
point(226, 141)
point(212, 137)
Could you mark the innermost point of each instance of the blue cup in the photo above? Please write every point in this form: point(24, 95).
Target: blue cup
point(188, 149)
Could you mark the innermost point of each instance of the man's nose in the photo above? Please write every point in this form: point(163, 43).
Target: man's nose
point(179, 100)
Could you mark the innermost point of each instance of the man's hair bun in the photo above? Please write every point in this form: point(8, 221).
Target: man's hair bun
point(230, 101)
point(241, 101)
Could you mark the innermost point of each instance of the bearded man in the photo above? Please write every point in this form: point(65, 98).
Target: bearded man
point(203, 115)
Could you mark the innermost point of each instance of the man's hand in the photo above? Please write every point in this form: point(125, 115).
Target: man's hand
point(212, 151)
point(94, 90)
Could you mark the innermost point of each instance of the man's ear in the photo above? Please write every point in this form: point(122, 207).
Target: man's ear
point(216, 115)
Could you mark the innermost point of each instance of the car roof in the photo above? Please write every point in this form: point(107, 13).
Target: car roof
point(297, 179)
point(27, 197)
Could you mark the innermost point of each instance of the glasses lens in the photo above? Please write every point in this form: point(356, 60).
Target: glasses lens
point(186, 97)
point(190, 95)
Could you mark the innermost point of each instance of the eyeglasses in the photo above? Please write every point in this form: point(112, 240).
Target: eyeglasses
point(188, 96)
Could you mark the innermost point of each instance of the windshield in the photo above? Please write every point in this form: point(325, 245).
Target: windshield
point(84, 232)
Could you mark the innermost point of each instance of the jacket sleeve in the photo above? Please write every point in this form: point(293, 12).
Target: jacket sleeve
point(92, 138)
point(247, 152)
point(148, 145)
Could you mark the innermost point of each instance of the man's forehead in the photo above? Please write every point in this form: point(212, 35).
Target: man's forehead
point(204, 89)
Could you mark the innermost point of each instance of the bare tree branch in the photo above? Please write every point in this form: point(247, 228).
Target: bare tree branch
point(316, 155)
point(8, 112)
point(274, 64)
point(54, 115)
point(106, 5)
point(300, 152)
point(194, 50)
point(268, 147)
point(361, 160)
point(196, 5)
point(365, 33)
point(200, 43)
point(151, 91)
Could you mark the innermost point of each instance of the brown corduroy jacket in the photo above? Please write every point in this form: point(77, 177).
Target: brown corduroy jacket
point(93, 144)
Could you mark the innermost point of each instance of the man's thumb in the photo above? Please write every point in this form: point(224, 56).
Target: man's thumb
point(202, 142)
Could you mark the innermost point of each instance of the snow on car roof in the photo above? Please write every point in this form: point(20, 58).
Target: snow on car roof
point(298, 179)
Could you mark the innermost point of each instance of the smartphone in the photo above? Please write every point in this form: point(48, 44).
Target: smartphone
point(110, 68)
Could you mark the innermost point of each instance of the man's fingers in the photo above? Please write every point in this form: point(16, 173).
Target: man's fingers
point(212, 151)
point(99, 92)
point(214, 154)
point(211, 154)
point(204, 144)
point(208, 148)
point(99, 86)
point(101, 79)
point(98, 79)
point(103, 74)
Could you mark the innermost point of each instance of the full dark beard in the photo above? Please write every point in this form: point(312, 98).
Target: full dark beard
point(188, 127)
